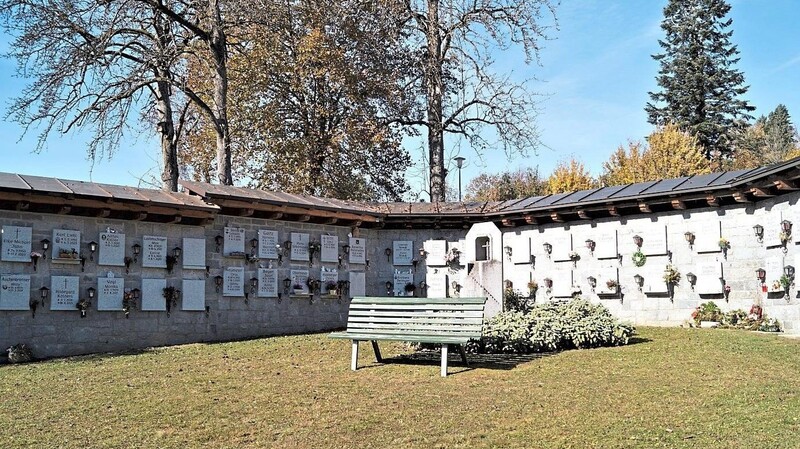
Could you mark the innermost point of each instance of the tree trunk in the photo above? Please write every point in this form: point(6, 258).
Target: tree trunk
point(434, 90)
point(218, 45)
point(169, 147)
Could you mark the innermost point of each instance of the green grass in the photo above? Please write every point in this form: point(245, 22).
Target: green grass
point(675, 388)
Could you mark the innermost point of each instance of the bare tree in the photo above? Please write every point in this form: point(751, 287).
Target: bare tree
point(92, 65)
point(462, 94)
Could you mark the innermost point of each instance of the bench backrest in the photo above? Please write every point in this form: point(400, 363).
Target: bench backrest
point(447, 317)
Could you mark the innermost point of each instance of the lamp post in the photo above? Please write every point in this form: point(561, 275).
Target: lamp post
point(459, 163)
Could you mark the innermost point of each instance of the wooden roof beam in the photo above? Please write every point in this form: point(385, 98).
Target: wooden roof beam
point(644, 208)
point(304, 218)
point(531, 220)
point(329, 221)
point(140, 216)
point(63, 210)
point(103, 213)
point(712, 200)
point(760, 192)
point(740, 197)
point(583, 214)
point(678, 205)
point(23, 205)
point(247, 212)
point(556, 217)
point(613, 211)
point(507, 222)
point(785, 185)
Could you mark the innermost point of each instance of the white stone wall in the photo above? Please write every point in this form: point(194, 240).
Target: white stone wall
point(650, 306)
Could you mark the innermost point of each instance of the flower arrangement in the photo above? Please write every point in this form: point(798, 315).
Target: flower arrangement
point(573, 255)
point(726, 291)
point(171, 295)
point(171, 261)
point(330, 285)
point(35, 256)
point(672, 275)
point(251, 258)
point(785, 282)
point(452, 256)
point(724, 243)
point(313, 248)
point(639, 259)
point(83, 305)
point(756, 312)
point(64, 253)
point(410, 288)
point(576, 291)
point(19, 353)
point(128, 303)
point(297, 287)
point(533, 287)
point(707, 311)
point(612, 284)
point(785, 237)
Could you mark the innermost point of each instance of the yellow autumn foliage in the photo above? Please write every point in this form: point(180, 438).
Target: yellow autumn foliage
point(570, 176)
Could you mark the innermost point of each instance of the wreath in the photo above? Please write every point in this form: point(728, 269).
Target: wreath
point(639, 258)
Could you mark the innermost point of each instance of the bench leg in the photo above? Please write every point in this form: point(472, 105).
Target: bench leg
point(377, 350)
point(463, 355)
point(354, 361)
point(444, 360)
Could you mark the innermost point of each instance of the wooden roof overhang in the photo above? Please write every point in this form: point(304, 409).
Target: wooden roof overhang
point(237, 201)
point(57, 196)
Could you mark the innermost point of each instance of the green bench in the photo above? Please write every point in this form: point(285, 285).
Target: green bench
point(445, 321)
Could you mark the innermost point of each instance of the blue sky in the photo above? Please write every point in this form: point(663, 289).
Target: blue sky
point(594, 76)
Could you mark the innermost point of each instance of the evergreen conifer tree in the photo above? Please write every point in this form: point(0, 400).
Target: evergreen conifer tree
point(700, 87)
point(779, 132)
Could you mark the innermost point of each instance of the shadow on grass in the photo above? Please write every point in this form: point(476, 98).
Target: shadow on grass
point(454, 362)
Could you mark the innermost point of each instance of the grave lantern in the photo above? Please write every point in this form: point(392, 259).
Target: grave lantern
point(788, 271)
point(692, 278)
point(389, 286)
point(388, 252)
point(422, 253)
point(639, 281)
point(592, 281)
point(346, 249)
point(92, 249)
point(548, 248)
point(286, 284)
point(689, 236)
point(254, 244)
point(44, 291)
point(761, 274)
point(91, 291)
point(590, 245)
point(137, 248)
point(786, 226)
point(509, 251)
point(638, 240)
point(548, 282)
point(218, 282)
point(219, 240)
point(253, 284)
point(136, 293)
point(758, 230)
point(176, 252)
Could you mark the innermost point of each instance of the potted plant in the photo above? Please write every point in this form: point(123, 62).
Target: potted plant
point(574, 257)
point(298, 288)
point(35, 256)
point(330, 287)
point(171, 294)
point(707, 314)
point(19, 353)
point(452, 256)
point(410, 288)
point(612, 285)
point(533, 287)
point(786, 283)
point(128, 303)
point(724, 245)
point(672, 277)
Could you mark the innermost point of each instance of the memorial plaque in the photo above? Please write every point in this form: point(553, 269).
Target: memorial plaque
point(708, 278)
point(193, 293)
point(401, 278)
point(154, 251)
point(268, 244)
point(562, 283)
point(562, 245)
point(66, 244)
point(299, 247)
point(358, 251)
point(605, 275)
point(111, 249)
point(654, 279)
point(436, 253)
point(330, 248)
point(63, 292)
point(109, 293)
point(16, 244)
point(436, 281)
point(772, 232)
point(358, 283)
point(194, 254)
point(15, 292)
point(402, 252)
point(520, 249)
point(267, 283)
point(774, 268)
point(299, 282)
point(605, 244)
point(233, 281)
point(326, 276)
point(233, 240)
point(654, 241)
point(706, 238)
point(153, 295)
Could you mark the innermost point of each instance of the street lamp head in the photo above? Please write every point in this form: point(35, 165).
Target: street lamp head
point(459, 161)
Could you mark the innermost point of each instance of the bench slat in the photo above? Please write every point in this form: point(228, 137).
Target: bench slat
point(421, 338)
point(404, 327)
point(415, 320)
point(416, 307)
point(412, 301)
point(416, 313)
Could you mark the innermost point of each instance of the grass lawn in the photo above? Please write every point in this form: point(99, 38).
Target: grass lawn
point(672, 388)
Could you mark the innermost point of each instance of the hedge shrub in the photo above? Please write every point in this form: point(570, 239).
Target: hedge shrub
point(552, 326)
